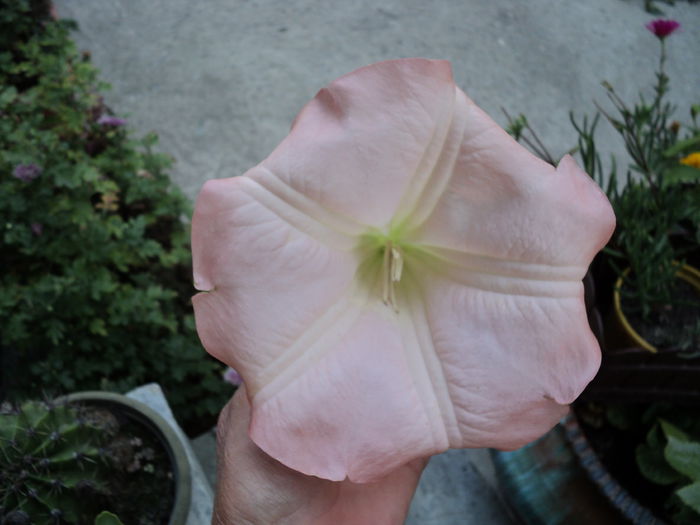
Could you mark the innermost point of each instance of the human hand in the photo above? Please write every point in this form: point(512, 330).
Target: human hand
point(255, 489)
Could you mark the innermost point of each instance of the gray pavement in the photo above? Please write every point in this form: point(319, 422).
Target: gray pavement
point(221, 80)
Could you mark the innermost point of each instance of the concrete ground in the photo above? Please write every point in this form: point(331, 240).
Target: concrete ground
point(221, 80)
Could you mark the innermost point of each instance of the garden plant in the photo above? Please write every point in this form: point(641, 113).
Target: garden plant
point(94, 239)
point(644, 410)
point(66, 462)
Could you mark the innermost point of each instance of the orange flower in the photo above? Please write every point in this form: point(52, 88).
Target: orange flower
point(692, 160)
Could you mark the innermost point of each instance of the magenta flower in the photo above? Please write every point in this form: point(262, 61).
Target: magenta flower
point(110, 120)
point(37, 228)
point(26, 172)
point(662, 28)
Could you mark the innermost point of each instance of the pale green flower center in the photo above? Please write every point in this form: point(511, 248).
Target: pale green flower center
point(384, 256)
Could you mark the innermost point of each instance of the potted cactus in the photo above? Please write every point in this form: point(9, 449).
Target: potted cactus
point(69, 460)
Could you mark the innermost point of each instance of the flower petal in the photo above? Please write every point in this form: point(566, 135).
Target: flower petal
point(358, 145)
point(510, 362)
point(503, 202)
point(265, 281)
point(353, 410)
point(507, 244)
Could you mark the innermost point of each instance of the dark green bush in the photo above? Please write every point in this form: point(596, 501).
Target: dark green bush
point(95, 278)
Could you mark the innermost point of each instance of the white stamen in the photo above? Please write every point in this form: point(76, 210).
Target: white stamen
point(392, 267)
point(396, 264)
point(386, 279)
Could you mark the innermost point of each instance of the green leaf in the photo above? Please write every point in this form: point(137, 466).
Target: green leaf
point(690, 495)
point(681, 145)
point(107, 518)
point(681, 453)
point(680, 174)
point(653, 466)
point(7, 96)
point(97, 326)
point(673, 431)
point(621, 417)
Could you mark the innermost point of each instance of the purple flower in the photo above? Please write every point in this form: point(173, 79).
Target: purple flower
point(37, 228)
point(26, 172)
point(231, 376)
point(111, 120)
point(662, 27)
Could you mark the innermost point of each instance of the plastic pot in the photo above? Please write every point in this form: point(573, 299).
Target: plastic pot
point(619, 331)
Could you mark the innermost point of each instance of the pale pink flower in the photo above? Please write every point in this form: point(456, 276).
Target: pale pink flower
point(398, 277)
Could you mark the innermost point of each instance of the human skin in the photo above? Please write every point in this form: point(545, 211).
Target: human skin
point(255, 489)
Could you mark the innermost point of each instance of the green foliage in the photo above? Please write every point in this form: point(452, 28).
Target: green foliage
point(652, 6)
point(49, 456)
point(657, 207)
point(519, 128)
point(651, 461)
point(96, 274)
point(22, 21)
point(107, 518)
point(680, 452)
point(666, 441)
point(690, 495)
point(670, 456)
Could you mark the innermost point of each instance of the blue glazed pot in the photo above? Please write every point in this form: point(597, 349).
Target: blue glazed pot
point(618, 497)
point(546, 485)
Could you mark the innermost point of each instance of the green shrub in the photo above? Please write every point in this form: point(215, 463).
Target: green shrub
point(96, 275)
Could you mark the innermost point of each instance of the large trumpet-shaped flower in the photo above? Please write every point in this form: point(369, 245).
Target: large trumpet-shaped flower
point(398, 277)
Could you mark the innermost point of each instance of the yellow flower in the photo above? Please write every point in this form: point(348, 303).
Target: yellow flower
point(108, 201)
point(692, 160)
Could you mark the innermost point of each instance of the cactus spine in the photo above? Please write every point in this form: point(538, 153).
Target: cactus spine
point(50, 455)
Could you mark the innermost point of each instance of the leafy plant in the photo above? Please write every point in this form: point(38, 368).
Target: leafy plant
point(652, 7)
point(94, 249)
point(664, 439)
point(107, 518)
point(657, 205)
point(671, 457)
